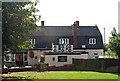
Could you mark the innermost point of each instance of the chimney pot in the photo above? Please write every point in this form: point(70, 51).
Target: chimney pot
point(42, 23)
point(77, 23)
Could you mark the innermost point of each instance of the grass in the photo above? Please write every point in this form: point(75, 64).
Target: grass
point(60, 75)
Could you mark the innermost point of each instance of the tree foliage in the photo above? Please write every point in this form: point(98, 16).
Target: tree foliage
point(114, 42)
point(18, 22)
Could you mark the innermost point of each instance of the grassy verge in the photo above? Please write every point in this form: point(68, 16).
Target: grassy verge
point(61, 75)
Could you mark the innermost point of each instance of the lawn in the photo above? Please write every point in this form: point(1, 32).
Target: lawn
point(60, 75)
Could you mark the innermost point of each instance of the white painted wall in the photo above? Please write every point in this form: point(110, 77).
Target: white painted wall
point(49, 59)
point(84, 56)
point(33, 61)
point(92, 51)
point(24, 58)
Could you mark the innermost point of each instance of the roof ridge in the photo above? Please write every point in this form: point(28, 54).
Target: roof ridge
point(68, 26)
point(56, 26)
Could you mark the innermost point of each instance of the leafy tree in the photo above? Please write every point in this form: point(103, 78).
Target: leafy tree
point(18, 22)
point(114, 42)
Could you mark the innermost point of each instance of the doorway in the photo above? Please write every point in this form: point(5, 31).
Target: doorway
point(19, 59)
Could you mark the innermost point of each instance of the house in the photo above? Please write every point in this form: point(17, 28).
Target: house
point(60, 44)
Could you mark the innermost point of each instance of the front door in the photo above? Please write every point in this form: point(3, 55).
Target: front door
point(19, 59)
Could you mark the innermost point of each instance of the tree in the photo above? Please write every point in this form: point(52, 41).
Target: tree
point(114, 42)
point(18, 22)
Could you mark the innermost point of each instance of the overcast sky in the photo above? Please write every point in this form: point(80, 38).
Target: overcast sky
point(104, 13)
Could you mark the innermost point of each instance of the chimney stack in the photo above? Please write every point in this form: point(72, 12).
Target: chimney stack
point(42, 23)
point(74, 29)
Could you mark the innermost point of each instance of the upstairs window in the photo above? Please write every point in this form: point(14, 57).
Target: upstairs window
point(32, 41)
point(92, 40)
point(63, 41)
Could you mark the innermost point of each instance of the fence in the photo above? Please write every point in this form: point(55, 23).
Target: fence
point(105, 65)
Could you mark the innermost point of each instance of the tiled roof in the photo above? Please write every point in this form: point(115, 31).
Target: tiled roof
point(88, 31)
point(67, 31)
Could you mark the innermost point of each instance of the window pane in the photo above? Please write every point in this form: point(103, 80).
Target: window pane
point(59, 41)
point(67, 41)
point(92, 41)
point(63, 41)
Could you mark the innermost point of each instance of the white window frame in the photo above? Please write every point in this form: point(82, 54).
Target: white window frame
point(60, 41)
point(24, 58)
point(10, 56)
point(67, 41)
point(13, 57)
point(92, 40)
point(33, 41)
point(63, 41)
